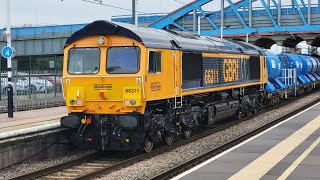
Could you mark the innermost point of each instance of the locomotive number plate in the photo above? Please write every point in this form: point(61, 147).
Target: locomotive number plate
point(132, 92)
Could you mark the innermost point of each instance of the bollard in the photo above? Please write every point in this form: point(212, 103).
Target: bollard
point(46, 91)
point(10, 100)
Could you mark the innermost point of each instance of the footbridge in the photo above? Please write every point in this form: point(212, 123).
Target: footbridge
point(262, 22)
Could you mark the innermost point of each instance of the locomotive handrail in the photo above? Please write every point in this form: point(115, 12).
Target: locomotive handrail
point(176, 89)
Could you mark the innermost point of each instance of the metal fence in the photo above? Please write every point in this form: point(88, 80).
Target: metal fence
point(33, 87)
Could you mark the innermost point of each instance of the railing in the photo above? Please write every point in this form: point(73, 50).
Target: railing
point(256, 11)
point(260, 10)
point(143, 18)
point(32, 90)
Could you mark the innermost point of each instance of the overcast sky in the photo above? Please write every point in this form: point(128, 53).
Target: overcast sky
point(77, 11)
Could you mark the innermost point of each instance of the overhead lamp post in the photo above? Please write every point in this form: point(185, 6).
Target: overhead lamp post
point(134, 12)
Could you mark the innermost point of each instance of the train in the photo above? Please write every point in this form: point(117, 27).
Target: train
point(128, 88)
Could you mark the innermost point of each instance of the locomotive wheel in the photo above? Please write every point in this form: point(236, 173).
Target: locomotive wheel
point(168, 140)
point(187, 134)
point(148, 146)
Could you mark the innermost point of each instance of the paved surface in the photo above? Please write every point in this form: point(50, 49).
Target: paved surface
point(291, 150)
point(33, 118)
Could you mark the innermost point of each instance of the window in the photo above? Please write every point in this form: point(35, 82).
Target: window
point(84, 61)
point(154, 62)
point(123, 60)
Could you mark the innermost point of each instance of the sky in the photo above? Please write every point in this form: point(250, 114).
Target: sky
point(58, 12)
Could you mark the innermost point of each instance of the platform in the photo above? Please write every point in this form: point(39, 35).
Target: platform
point(32, 120)
point(289, 150)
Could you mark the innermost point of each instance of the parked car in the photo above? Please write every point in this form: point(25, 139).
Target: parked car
point(55, 80)
point(3, 85)
point(19, 86)
point(38, 85)
point(21, 82)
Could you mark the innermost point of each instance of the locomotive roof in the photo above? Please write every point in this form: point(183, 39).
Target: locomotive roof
point(155, 38)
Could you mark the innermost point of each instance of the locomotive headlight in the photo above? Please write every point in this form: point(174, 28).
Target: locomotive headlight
point(100, 40)
point(72, 102)
point(133, 102)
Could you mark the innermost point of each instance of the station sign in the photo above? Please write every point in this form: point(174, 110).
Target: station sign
point(8, 52)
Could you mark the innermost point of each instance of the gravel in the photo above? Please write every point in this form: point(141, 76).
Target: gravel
point(27, 167)
point(149, 168)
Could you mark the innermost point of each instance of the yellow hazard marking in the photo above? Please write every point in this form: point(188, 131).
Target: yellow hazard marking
point(260, 166)
point(296, 163)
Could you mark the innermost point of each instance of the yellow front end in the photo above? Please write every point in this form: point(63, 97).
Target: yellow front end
point(104, 95)
point(100, 91)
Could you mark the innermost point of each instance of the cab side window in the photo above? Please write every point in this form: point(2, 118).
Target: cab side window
point(154, 62)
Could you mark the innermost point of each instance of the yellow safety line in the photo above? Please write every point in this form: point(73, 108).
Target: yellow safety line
point(296, 163)
point(260, 166)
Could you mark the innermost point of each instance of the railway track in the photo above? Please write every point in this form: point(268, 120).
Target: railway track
point(80, 170)
point(77, 168)
point(94, 165)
